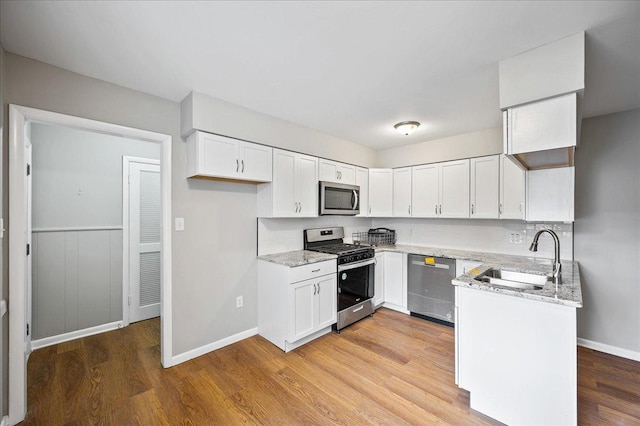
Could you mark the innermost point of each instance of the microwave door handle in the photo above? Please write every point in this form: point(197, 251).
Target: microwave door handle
point(355, 199)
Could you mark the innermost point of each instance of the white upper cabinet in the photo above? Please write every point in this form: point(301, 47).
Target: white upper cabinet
point(332, 171)
point(512, 189)
point(220, 157)
point(454, 189)
point(294, 190)
point(542, 134)
point(402, 192)
point(485, 185)
point(380, 192)
point(425, 190)
point(362, 180)
point(441, 189)
point(550, 195)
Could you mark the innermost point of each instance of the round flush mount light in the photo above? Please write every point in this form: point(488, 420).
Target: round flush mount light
point(406, 127)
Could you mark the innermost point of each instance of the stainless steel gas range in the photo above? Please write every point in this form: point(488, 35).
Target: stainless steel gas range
point(356, 273)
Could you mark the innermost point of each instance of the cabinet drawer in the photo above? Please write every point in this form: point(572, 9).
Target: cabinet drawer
point(312, 270)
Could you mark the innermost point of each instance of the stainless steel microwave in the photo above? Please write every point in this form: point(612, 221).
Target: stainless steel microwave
point(339, 199)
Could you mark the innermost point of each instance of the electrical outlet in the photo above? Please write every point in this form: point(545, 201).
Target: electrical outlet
point(239, 302)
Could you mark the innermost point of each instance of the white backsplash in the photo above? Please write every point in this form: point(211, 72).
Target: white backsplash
point(495, 236)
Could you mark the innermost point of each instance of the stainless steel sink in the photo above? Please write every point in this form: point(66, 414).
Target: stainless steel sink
point(513, 279)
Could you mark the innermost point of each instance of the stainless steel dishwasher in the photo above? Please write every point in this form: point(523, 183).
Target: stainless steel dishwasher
point(430, 292)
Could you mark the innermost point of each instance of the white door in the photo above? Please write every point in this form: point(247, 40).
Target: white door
point(380, 192)
point(425, 189)
point(256, 161)
point(306, 185)
point(402, 192)
point(454, 189)
point(144, 241)
point(485, 187)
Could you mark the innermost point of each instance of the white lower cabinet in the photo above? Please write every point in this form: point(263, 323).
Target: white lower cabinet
point(395, 281)
point(508, 347)
point(309, 294)
point(378, 292)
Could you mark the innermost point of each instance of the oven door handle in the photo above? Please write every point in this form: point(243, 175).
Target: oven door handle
point(356, 265)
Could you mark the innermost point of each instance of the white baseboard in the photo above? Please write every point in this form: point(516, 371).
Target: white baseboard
point(291, 346)
point(395, 308)
point(613, 350)
point(61, 338)
point(194, 353)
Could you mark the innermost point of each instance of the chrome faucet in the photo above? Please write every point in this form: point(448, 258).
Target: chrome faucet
point(556, 260)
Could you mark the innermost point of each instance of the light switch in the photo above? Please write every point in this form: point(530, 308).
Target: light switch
point(179, 223)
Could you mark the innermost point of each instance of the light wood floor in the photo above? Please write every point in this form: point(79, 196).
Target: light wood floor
point(389, 369)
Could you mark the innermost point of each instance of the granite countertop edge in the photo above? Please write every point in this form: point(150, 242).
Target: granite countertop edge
point(297, 258)
point(568, 293)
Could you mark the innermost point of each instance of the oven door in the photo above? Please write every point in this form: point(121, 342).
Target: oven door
point(339, 199)
point(355, 283)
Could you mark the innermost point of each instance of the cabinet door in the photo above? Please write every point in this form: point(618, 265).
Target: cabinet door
point(425, 189)
point(303, 314)
point(327, 170)
point(306, 185)
point(454, 189)
point(217, 156)
point(395, 288)
point(485, 185)
point(543, 125)
point(284, 201)
point(512, 189)
point(326, 301)
point(362, 180)
point(346, 174)
point(380, 192)
point(402, 192)
point(255, 162)
point(378, 292)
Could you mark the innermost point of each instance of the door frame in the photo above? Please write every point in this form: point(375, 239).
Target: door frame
point(18, 117)
point(126, 224)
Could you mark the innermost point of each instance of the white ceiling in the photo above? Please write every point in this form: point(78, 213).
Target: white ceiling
point(349, 69)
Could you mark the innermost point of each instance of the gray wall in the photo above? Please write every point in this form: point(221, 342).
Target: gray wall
point(474, 144)
point(77, 176)
point(607, 229)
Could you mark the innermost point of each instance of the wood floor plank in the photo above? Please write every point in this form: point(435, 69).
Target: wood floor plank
point(390, 369)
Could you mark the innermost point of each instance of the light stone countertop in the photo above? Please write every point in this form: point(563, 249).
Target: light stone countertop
point(568, 293)
point(297, 258)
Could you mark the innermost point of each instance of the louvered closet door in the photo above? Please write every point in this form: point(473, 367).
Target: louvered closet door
point(144, 242)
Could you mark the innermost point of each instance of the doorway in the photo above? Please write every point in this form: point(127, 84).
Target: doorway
point(19, 272)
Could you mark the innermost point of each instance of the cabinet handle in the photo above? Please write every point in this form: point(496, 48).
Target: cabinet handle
point(472, 212)
point(299, 207)
point(318, 288)
point(500, 208)
point(436, 209)
point(409, 208)
point(242, 166)
point(337, 175)
point(440, 208)
point(316, 270)
point(237, 165)
point(369, 209)
point(314, 289)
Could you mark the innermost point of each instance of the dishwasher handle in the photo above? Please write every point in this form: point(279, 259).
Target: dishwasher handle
point(431, 265)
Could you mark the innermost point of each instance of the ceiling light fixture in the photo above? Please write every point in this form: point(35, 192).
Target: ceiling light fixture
point(406, 127)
